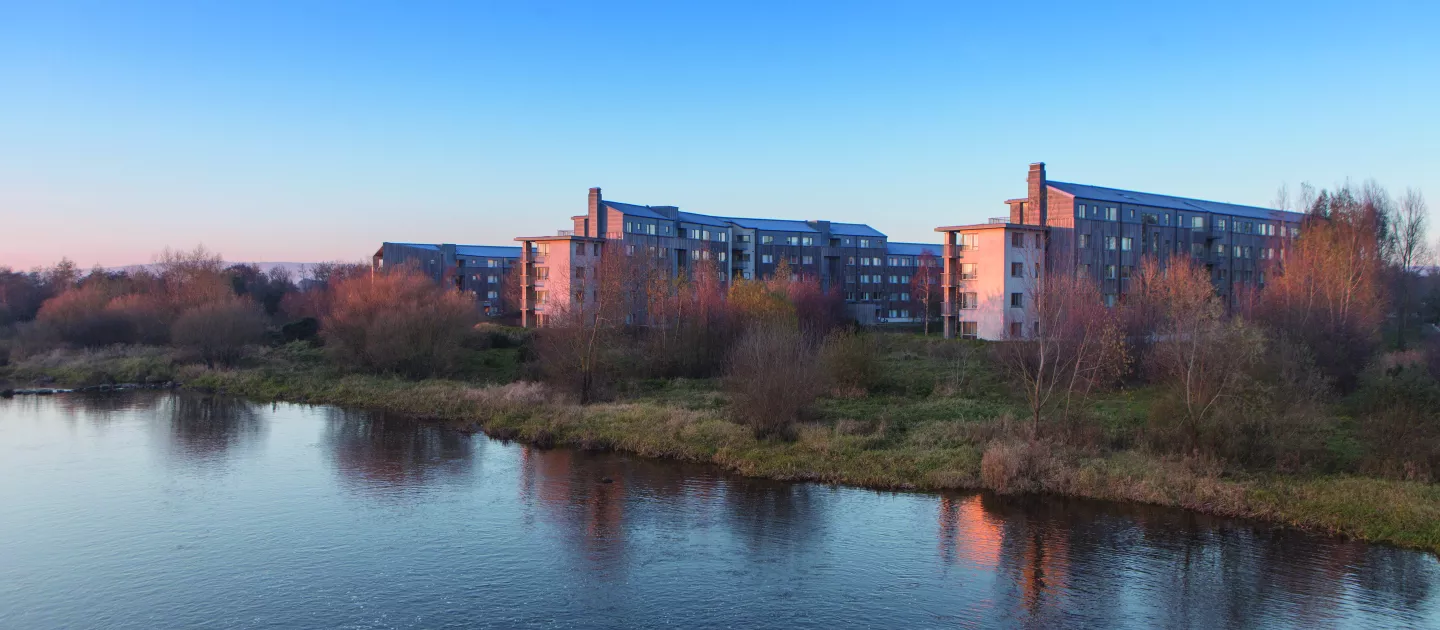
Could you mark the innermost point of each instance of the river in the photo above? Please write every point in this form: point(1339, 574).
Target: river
point(161, 510)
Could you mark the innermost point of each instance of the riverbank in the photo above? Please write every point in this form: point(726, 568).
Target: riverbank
point(921, 438)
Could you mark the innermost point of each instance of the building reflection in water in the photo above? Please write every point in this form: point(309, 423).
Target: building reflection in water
point(204, 430)
point(388, 454)
point(570, 487)
point(967, 533)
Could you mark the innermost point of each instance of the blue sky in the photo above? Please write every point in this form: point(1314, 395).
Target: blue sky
point(305, 130)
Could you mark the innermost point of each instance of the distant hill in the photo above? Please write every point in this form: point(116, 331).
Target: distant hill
point(297, 270)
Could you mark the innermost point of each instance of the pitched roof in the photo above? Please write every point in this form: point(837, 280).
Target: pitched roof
point(703, 219)
point(1116, 195)
point(912, 249)
point(415, 245)
point(488, 251)
point(634, 210)
point(854, 229)
point(777, 225)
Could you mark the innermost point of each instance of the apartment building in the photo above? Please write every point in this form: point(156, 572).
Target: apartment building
point(1101, 233)
point(481, 270)
point(873, 273)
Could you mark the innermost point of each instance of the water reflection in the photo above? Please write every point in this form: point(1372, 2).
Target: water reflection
point(567, 538)
point(389, 454)
point(204, 430)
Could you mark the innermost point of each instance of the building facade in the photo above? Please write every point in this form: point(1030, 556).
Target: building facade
point(1103, 233)
point(481, 270)
point(873, 274)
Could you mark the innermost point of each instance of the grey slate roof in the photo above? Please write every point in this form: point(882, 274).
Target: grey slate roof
point(487, 251)
point(703, 219)
point(634, 210)
point(854, 229)
point(912, 249)
point(1116, 195)
point(774, 225)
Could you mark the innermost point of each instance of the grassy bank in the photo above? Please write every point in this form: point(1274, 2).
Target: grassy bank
point(931, 424)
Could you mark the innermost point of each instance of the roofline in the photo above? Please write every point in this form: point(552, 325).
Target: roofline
point(1049, 183)
point(991, 226)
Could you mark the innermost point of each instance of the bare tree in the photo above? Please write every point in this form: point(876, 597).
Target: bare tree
point(925, 286)
point(1075, 347)
point(1411, 250)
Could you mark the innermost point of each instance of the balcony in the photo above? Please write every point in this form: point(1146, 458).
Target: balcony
point(565, 232)
point(998, 220)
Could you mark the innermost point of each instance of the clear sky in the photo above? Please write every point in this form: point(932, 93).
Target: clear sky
point(302, 130)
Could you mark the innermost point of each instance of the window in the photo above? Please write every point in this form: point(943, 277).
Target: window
point(969, 242)
point(742, 238)
point(1080, 211)
point(1039, 241)
point(492, 263)
point(807, 241)
point(721, 256)
point(1219, 224)
point(629, 250)
point(1222, 274)
point(969, 330)
point(1017, 300)
point(806, 260)
point(968, 272)
point(767, 258)
point(1017, 329)
point(1109, 243)
point(650, 229)
point(1110, 300)
point(864, 262)
point(579, 273)
point(1017, 270)
point(1037, 270)
point(1109, 272)
point(1165, 218)
point(705, 235)
point(792, 240)
point(1220, 249)
point(1084, 241)
point(540, 296)
point(629, 227)
point(767, 239)
point(492, 279)
point(1237, 252)
point(694, 233)
point(904, 297)
point(1125, 272)
point(1197, 223)
point(492, 294)
point(864, 242)
point(1085, 269)
point(1127, 243)
point(579, 249)
point(1110, 213)
point(894, 279)
point(1017, 239)
point(969, 301)
point(876, 261)
point(1248, 251)
point(1149, 218)
point(865, 278)
point(722, 236)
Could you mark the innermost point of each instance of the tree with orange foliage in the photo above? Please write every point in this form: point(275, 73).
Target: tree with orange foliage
point(1328, 290)
point(398, 321)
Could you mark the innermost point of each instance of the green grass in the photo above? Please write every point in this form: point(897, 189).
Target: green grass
point(923, 428)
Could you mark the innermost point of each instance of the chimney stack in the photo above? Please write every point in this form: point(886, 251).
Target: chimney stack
point(596, 225)
point(1037, 210)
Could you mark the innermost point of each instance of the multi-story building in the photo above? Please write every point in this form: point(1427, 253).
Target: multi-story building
point(873, 274)
point(481, 270)
point(1101, 233)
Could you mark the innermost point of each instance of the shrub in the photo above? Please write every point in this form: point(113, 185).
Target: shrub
point(79, 317)
point(304, 329)
point(219, 331)
point(396, 322)
point(1398, 416)
point(147, 317)
point(849, 361)
point(1016, 466)
point(773, 378)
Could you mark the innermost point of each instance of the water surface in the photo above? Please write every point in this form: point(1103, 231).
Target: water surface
point(158, 510)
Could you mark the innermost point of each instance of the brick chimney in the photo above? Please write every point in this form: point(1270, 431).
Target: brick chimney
point(1037, 206)
point(596, 226)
